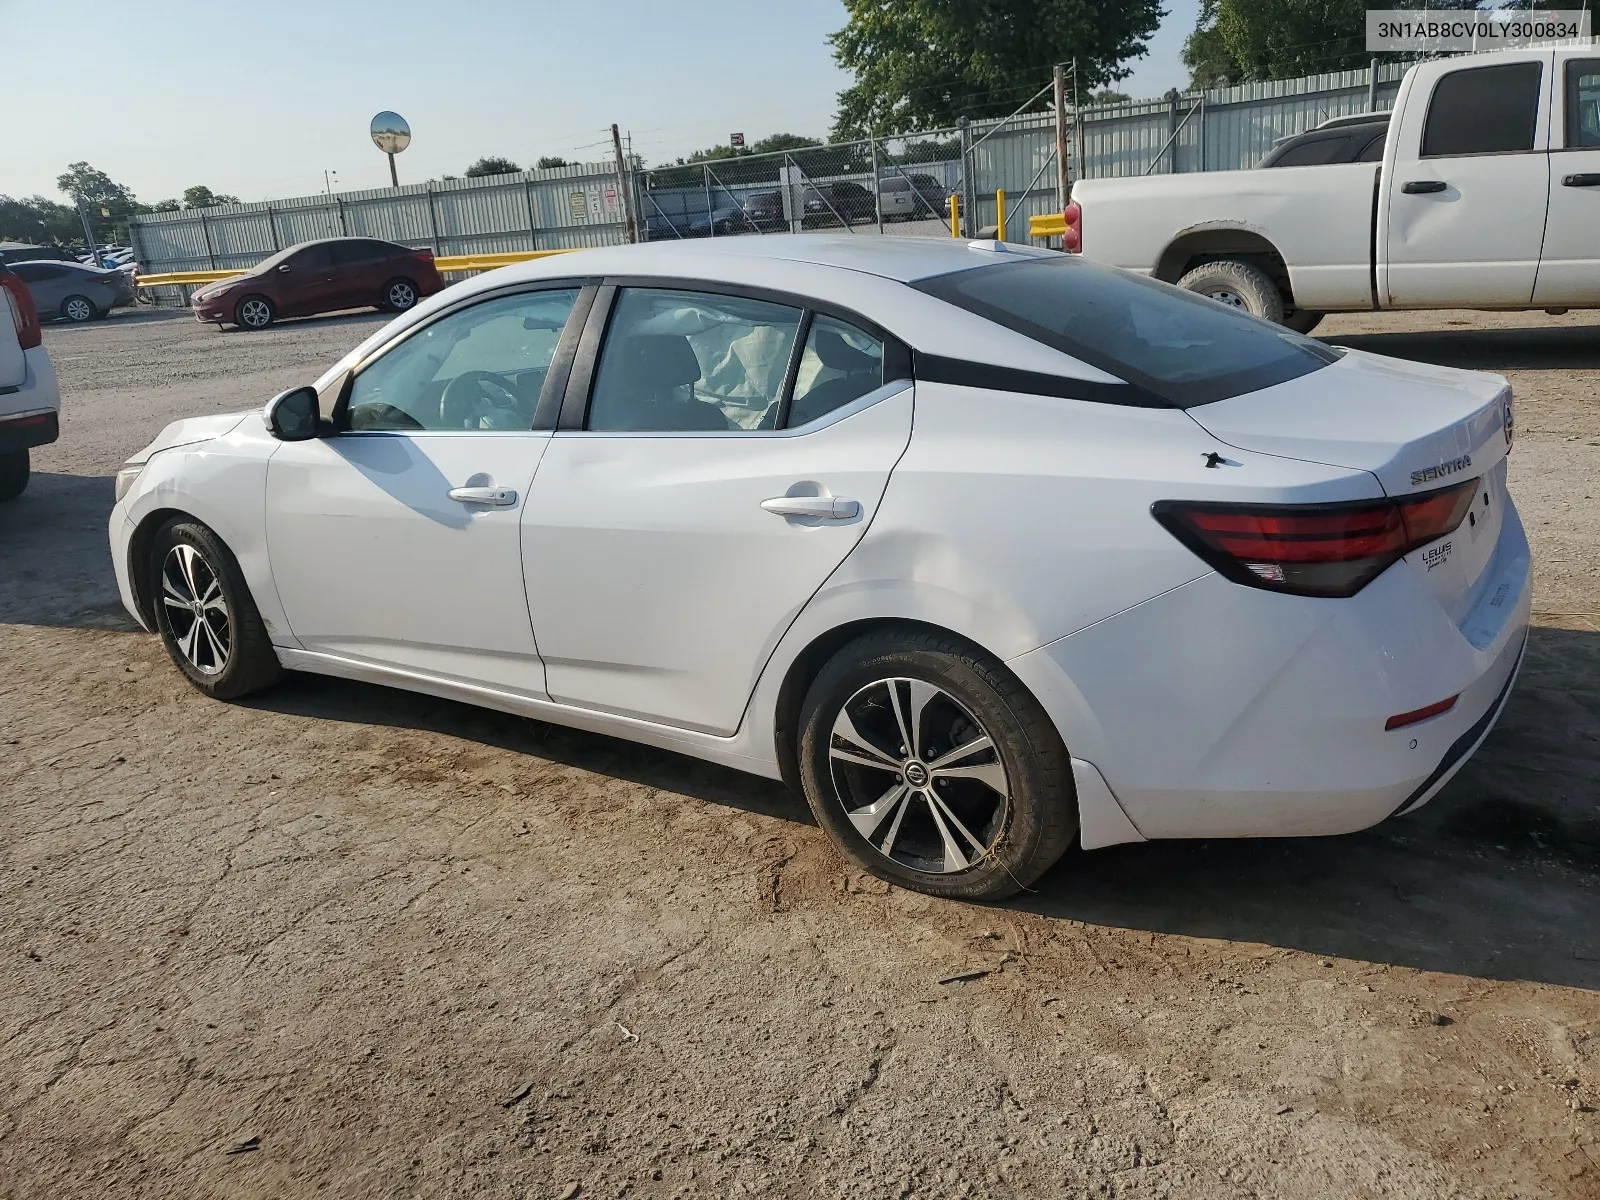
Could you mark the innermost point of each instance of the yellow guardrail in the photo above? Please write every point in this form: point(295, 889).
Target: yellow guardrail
point(444, 263)
point(1049, 225)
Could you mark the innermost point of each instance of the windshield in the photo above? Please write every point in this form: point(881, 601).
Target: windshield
point(1170, 344)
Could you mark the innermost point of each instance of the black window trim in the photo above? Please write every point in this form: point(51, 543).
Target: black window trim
point(554, 384)
point(1424, 156)
point(574, 418)
point(1571, 120)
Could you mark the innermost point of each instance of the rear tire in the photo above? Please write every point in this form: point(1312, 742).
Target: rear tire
point(79, 309)
point(398, 295)
point(206, 616)
point(974, 825)
point(14, 470)
point(254, 312)
point(1238, 285)
point(1302, 320)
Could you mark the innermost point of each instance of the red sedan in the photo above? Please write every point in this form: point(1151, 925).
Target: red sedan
point(319, 277)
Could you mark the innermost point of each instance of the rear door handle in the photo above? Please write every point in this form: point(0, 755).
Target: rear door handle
point(828, 508)
point(1580, 181)
point(495, 497)
point(1419, 187)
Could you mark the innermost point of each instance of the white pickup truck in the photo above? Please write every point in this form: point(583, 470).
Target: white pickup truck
point(1487, 196)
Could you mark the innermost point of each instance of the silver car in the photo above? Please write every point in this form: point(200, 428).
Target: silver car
point(72, 291)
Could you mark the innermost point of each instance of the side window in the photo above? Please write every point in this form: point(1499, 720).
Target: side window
point(1484, 110)
point(480, 369)
point(1315, 153)
point(348, 254)
point(31, 272)
point(315, 257)
point(840, 364)
point(1583, 103)
point(680, 361)
point(1373, 150)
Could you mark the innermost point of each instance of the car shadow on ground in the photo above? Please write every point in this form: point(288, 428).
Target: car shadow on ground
point(1563, 348)
point(1497, 877)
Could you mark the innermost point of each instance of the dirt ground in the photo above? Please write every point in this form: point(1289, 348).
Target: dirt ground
point(342, 940)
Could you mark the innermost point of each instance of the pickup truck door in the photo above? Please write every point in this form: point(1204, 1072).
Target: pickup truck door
point(1466, 196)
point(1569, 267)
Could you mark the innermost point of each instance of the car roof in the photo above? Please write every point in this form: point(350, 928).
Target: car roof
point(1379, 118)
point(902, 259)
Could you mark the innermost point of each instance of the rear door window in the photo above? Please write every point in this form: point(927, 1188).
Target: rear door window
point(1373, 150)
point(1583, 104)
point(1315, 153)
point(1173, 347)
point(1483, 110)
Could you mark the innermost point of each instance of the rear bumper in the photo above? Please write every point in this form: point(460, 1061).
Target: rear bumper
point(1218, 710)
point(27, 430)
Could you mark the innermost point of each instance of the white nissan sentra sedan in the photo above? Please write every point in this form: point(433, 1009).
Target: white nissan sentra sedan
point(980, 547)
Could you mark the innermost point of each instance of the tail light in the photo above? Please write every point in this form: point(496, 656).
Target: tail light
point(1314, 549)
point(1072, 239)
point(23, 312)
point(423, 255)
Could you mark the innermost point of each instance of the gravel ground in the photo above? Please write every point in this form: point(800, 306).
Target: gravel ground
point(345, 940)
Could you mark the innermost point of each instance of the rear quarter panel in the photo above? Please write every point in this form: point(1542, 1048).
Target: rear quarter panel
point(1318, 218)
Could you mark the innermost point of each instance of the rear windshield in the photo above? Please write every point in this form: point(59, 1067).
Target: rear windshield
point(1174, 346)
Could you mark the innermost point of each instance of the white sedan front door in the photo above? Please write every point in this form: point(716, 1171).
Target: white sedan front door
point(397, 540)
point(733, 454)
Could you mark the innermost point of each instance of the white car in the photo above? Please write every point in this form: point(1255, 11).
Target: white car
point(980, 547)
point(30, 397)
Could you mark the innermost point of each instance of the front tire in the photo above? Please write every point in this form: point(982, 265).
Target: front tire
point(1238, 285)
point(932, 767)
point(398, 295)
point(206, 616)
point(254, 312)
point(14, 470)
point(79, 309)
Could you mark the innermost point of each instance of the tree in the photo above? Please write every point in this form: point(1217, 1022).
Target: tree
point(38, 221)
point(491, 165)
point(103, 199)
point(167, 205)
point(1237, 40)
point(1108, 96)
point(922, 64)
point(551, 161)
point(200, 196)
point(783, 141)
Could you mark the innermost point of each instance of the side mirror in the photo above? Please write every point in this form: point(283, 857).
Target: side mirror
point(294, 416)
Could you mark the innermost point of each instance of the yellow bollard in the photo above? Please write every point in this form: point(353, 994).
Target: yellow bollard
point(955, 215)
point(1000, 214)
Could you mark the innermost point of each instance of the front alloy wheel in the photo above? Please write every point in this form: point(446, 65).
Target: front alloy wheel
point(254, 312)
point(196, 610)
point(918, 776)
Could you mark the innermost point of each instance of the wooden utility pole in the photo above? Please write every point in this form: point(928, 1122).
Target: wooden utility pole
point(1063, 182)
point(624, 185)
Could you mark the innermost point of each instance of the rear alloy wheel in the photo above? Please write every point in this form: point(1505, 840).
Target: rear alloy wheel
point(14, 469)
point(1238, 285)
point(399, 295)
point(933, 768)
point(207, 618)
point(254, 312)
point(78, 309)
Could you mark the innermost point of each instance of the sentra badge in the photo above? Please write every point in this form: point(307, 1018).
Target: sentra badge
point(1443, 469)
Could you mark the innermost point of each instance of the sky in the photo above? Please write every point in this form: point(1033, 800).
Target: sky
point(258, 100)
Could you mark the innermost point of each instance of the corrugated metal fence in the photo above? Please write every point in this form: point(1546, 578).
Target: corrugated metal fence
point(1218, 130)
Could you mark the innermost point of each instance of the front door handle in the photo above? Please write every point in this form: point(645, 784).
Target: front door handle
point(495, 497)
point(1420, 187)
point(828, 508)
point(1580, 181)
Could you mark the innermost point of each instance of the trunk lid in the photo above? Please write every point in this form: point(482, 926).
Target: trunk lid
point(1416, 427)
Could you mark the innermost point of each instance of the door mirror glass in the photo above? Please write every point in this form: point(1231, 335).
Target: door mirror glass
point(293, 416)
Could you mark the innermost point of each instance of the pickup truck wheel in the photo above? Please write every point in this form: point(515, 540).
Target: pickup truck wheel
point(13, 474)
point(1238, 285)
point(1302, 320)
